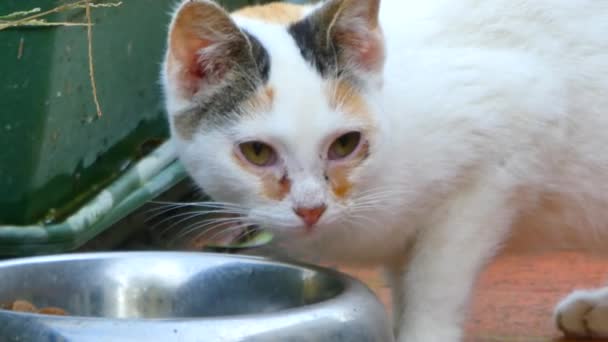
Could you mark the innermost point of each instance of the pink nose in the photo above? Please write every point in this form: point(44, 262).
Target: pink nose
point(310, 216)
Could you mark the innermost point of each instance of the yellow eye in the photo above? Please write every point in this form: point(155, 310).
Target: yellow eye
point(258, 153)
point(344, 146)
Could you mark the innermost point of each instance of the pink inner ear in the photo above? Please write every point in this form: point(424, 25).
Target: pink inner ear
point(184, 60)
point(365, 48)
point(196, 68)
point(371, 53)
point(198, 46)
point(193, 71)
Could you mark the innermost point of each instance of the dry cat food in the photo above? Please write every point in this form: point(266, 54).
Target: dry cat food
point(25, 306)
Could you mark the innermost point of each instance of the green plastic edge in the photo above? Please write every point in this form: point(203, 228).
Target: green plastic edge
point(148, 178)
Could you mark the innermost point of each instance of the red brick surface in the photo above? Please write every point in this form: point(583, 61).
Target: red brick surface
point(516, 294)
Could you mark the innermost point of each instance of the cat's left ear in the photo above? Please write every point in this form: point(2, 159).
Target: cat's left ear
point(350, 31)
point(356, 31)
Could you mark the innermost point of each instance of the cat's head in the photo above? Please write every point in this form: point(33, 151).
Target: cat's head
point(273, 115)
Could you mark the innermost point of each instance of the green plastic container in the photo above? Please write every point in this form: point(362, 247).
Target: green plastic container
point(58, 152)
point(57, 155)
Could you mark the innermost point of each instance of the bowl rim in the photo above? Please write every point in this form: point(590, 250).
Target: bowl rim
point(351, 287)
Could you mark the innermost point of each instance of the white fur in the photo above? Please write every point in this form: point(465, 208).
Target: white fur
point(584, 314)
point(489, 111)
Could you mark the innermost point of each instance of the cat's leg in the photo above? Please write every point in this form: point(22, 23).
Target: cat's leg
point(584, 314)
point(394, 275)
point(446, 260)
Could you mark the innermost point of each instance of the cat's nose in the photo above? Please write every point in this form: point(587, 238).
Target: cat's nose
point(310, 216)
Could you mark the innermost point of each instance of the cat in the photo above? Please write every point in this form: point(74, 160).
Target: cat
point(420, 136)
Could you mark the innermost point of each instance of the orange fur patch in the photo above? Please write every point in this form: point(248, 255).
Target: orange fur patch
point(275, 189)
point(339, 175)
point(344, 97)
point(261, 101)
point(272, 187)
point(269, 91)
point(340, 184)
point(275, 12)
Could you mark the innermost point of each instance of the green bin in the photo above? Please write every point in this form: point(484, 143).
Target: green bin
point(67, 173)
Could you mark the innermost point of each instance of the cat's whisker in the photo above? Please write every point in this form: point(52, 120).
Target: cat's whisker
point(200, 203)
point(377, 197)
point(203, 224)
point(211, 222)
point(244, 233)
point(205, 227)
point(195, 213)
point(212, 204)
point(162, 207)
point(373, 203)
point(191, 211)
point(382, 200)
point(189, 216)
point(157, 212)
point(365, 209)
point(203, 232)
point(227, 231)
point(356, 219)
point(201, 235)
point(213, 227)
point(376, 192)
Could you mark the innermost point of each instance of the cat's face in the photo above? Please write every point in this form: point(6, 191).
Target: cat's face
point(272, 118)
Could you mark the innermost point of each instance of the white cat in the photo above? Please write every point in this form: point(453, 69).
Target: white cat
point(418, 135)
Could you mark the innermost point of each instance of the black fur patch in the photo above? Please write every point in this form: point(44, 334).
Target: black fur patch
point(261, 57)
point(315, 47)
point(248, 69)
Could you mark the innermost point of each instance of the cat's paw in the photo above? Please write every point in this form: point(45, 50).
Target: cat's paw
point(584, 314)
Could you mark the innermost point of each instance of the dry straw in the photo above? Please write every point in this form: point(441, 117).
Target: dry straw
point(35, 18)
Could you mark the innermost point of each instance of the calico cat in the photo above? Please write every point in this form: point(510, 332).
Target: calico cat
point(422, 136)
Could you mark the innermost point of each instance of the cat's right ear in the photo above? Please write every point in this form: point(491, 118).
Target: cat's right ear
point(204, 44)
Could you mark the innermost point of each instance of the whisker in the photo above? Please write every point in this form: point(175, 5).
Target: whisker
point(393, 187)
point(202, 204)
point(225, 231)
point(195, 229)
point(188, 215)
point(196, 209)
point(381, 193)
point(191, 216)
point(356, 219)
point(246, 231)
point(159, 211)
point(209, 223)
point(371, 205)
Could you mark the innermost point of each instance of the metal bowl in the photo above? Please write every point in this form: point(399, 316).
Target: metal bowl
point(182, 296)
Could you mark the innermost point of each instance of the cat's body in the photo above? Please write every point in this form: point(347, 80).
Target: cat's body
point(481, 123)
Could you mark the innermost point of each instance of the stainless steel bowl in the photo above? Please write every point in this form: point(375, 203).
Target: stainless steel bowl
point(181, 296)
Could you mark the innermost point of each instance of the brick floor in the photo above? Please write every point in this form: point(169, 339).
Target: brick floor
point(515, 296)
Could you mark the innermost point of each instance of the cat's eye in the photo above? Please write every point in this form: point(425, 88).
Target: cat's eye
point(258, 153)
point(344, 146)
